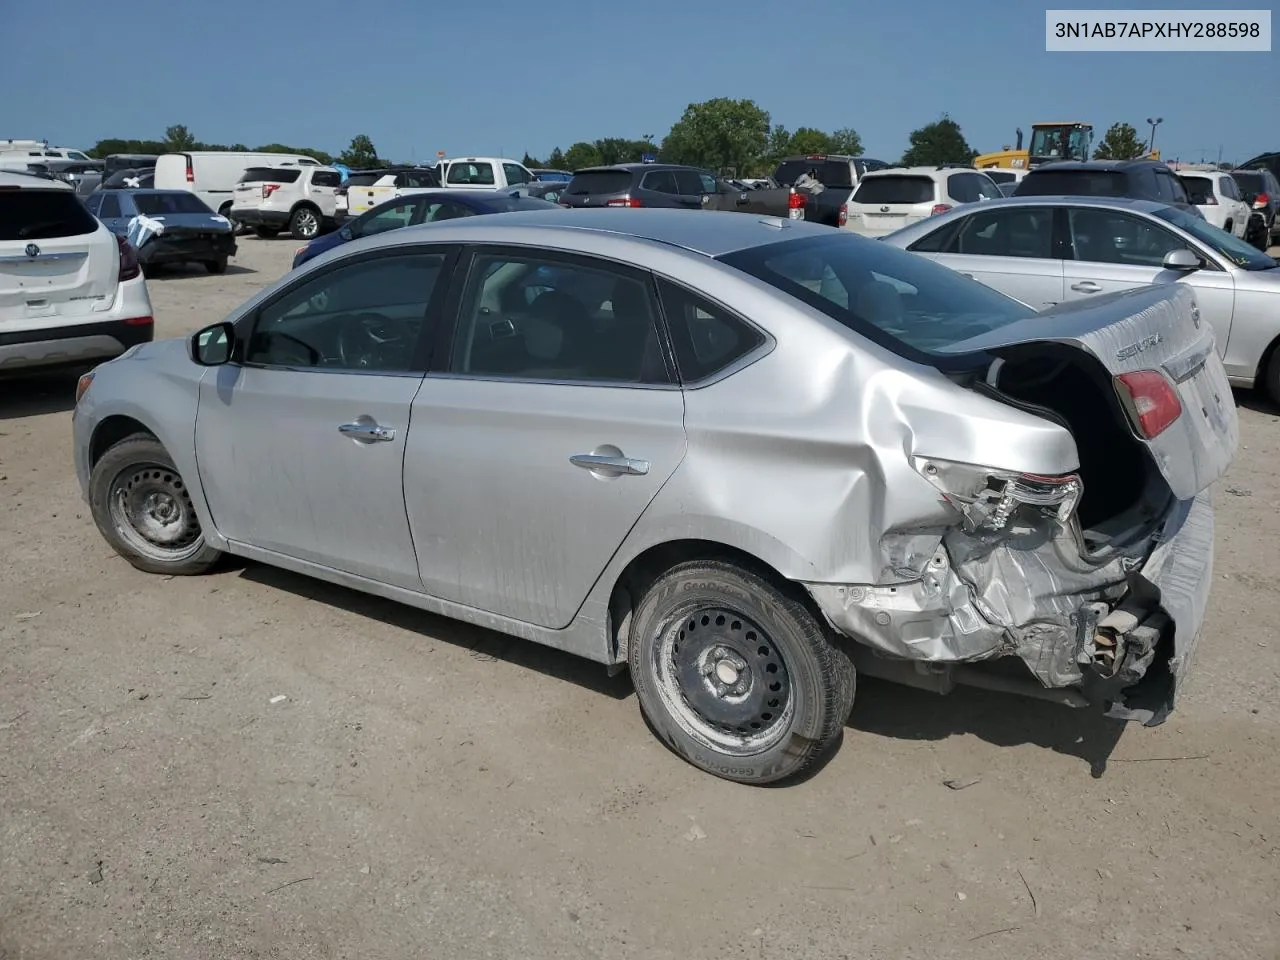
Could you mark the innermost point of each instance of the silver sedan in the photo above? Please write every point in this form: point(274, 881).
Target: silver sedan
point(1049, 250)
point(744, 457)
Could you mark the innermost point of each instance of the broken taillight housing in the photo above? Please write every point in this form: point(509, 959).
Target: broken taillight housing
point(1151, 401)
point(990, 500)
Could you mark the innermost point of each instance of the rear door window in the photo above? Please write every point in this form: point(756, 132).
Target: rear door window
point(271, 175)
point(660, 181)
point(110, 207)
point(594, 182)
point(962, 188)
point(690, 184)
point(1008, 232)
point(471, 174)
point(27, 214)
point(326, 178)
point(707, 338)
point(894, 188)
point(1199, 189)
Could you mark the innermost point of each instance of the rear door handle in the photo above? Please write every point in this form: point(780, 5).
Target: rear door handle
point(1086, 286)
point(619, 466)
point(367, 432)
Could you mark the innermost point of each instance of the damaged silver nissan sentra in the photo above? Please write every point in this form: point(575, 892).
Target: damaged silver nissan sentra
point(744, 458)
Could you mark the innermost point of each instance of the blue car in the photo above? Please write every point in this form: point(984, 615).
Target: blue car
point(428, 206)
point(166, 226)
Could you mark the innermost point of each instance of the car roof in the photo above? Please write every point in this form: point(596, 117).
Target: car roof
point(710, 233)
point(1097, 165)
point(632, 167)
point(27, 181)
point(932, 171)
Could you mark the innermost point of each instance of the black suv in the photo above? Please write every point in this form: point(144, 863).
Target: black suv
point(1260, 190)
point(1133, 179)
point(636, 185)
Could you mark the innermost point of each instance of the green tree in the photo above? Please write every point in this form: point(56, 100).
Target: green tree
point(728, 136)
point(1119, 143)
point(104, 148)
point(847, 142)
point(808, 140)
point(285, 148)
point(582, 154)
point(529, 161)
point(361, 154)
point(556, 160)
point(620, 150)
point(178, 138)
point(937, 143)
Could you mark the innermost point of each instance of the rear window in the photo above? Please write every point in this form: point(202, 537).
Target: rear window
point(271, 175)
point(1199, 189)
point(905, 303)
point(1073, 183)
point(470, 174)
point(177, 202)
point(27, 214)
point(829, 173)
point(891, 188)
point(599, 181)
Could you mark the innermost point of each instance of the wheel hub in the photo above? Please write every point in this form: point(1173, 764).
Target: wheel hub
point(725, 680)
point(152, 509)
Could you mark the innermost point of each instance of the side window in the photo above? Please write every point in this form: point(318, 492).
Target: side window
point(961, 188)
point(986, 186)
point(1104, 236)
point(660, 181)
point(391, 218)
point(526, 318)
point(110, 206)
point(1007, 232)
point(1227, 187)
point(446, 210)
point(706, 337)
point(1164, 187)
point(940, 240)
point(689, 183)
point(92, 202)
point(363, 317)
point(515, 173)
point(326, 178)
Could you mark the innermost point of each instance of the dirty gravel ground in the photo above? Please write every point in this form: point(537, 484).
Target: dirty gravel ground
point(432, 790)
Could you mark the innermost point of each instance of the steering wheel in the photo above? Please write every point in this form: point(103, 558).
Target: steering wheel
point(372, 341)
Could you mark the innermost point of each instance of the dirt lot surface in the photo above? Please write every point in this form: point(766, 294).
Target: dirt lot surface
point(431, 790)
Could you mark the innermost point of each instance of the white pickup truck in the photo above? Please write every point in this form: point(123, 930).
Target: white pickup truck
point(483, 173)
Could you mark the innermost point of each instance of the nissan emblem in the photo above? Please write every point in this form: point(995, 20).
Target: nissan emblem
point(884, 209)
point(32, 250)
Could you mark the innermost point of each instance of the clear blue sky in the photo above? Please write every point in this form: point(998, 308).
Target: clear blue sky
point(505, 76)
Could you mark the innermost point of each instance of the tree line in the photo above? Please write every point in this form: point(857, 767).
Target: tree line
point(732, 137)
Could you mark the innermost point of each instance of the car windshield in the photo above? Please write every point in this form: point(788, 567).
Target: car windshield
point(1077, 183)
point(1243, 255)
point(906, 303)
point(179, 201)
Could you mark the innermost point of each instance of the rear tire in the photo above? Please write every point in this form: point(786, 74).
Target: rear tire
point(735, 675)
point(1269, 383)
point(304, 223)
point(216, 266)
point(144, 510)
point(266, 233)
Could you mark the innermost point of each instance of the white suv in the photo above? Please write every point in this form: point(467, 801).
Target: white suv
point(888, 200)
point(71, 291)
point(298, 197)
point(1217, 196)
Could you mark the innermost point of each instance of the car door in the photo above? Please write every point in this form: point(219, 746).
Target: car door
point(301, 438)
point(550, 420)
point(1110, 250)
point(659, 189)
point(111, 213)
point(1008, 248)
point(694, 188)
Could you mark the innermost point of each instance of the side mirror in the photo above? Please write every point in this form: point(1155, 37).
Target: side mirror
point(212, 346)
point(1183, 260)
point(345, 233)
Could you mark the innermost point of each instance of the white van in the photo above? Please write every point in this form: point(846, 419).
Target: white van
point(213, 175)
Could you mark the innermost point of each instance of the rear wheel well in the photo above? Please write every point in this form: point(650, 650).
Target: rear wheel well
point(1262, 380)
point(648, 566)
point(304, 204)
point(110, 432)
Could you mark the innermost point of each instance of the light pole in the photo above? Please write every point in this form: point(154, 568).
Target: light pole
point(1155, 122)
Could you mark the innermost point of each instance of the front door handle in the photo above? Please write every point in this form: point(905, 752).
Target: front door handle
point(617, 466)
point(1086, 286)
point(367, 432)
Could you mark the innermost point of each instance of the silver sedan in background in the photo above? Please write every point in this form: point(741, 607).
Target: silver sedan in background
point(744, 457)
point(1050, 250)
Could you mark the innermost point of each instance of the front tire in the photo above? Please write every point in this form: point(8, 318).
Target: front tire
point(266, 233)
point(216, 266)
point(304, 224)
point(144, 510)
point(735, 675)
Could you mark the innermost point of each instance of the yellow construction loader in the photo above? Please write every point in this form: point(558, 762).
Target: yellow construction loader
point(1049, 142)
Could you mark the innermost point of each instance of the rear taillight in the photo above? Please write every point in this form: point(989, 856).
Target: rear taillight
point(1260, 201)
point(300, 251)
point(939, 208)
point(139, 321)
point(625, 202)
point(842, 217)
point(191, 173)
point(1151, 400)
point(268, 189)
point(129, 267)
point(991, 499)
point(795, 205)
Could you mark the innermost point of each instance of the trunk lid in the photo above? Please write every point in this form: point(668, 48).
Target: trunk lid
point(1148, 329)
point(884, 203)
point(55, 258)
